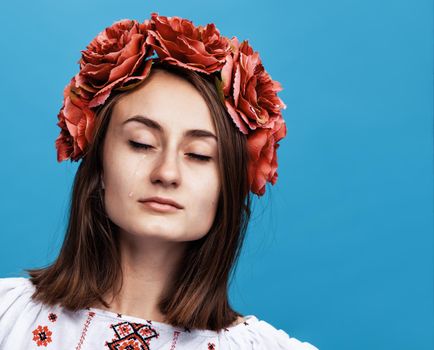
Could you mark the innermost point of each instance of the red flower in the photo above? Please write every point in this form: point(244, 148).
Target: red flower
point(42, 335)
point(119, 59)
point(116, 57)
point(250, 96)
point(262, 145)
point(250, 93)
point(76, 121)
point(179, 42)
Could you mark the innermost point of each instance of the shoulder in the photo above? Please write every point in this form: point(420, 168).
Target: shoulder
point(260, 334)
point(15, 296)
point(12, 288)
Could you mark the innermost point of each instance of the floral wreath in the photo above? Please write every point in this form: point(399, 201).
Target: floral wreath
point(119, 58)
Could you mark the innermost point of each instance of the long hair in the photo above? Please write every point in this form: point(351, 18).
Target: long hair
point(89, 262)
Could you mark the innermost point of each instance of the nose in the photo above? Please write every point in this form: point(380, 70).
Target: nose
point(166, 169)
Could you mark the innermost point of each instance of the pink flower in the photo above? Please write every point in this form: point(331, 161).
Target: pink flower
point(180, 43)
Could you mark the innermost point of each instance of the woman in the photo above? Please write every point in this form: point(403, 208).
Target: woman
point(161, 200)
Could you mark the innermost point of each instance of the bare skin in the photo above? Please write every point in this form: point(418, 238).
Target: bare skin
point(152, 242)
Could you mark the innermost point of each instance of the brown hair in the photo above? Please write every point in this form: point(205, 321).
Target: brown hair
point(89, 265)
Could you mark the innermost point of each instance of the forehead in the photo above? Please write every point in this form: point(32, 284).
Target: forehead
point(167, 98)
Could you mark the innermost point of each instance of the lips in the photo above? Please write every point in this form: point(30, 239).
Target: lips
point(162, 200)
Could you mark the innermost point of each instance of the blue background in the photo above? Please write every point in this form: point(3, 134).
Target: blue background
point(340, 251)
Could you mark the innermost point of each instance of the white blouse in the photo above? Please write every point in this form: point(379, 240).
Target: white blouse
point(27, 325)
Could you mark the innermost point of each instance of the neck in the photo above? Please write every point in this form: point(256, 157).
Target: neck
point(148, 266)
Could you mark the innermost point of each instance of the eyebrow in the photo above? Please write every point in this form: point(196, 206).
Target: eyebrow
point(150, 123)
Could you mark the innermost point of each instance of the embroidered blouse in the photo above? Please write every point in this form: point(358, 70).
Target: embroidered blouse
point(28, 325)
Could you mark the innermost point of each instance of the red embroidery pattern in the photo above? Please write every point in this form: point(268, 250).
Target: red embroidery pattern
point(42, 336)
point(211, 346)
point(175, 338)
point(52, 317)
point(90, 315)
point(132, 336)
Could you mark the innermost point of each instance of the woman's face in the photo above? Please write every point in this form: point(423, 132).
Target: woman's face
point(180, 164)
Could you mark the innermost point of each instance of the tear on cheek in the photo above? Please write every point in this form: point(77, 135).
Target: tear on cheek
point(134, 176)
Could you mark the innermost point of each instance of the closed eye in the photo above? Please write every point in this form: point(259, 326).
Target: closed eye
point(139, 145)
point(198, 157)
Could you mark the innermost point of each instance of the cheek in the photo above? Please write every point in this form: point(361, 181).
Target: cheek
point(206, 196)
point(121, 188)
point(119, 180)
point(120, 169)
point(114, 173)
point(201, 211)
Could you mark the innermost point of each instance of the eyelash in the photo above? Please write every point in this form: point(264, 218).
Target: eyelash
point(199, 157)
